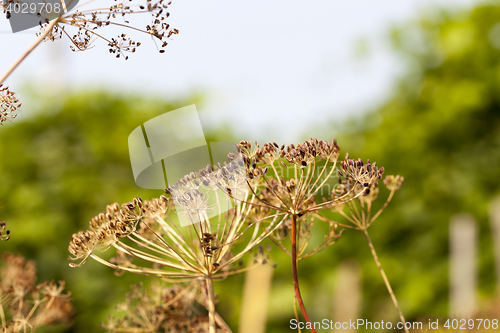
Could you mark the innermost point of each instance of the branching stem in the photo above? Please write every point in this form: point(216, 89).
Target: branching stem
point(210, 303)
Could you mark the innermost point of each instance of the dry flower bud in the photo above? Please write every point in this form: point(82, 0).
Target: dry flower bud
point(9, 104)
point(394, 183)
point(4, 234)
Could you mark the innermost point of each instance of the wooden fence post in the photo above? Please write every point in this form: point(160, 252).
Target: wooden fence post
point(347, 295)
point(495, 228)
point(253, 317)
point(463, 238)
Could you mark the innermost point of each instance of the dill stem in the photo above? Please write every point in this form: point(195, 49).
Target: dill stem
point(295, 273)
point(40, 38)
point(2, 316)
point(210, 303)
point(384, 277)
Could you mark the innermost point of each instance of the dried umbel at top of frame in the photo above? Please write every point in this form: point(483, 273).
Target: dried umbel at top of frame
point(88, 21)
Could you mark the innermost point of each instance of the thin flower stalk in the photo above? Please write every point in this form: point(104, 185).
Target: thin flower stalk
point(359, 213)
point(41, 37)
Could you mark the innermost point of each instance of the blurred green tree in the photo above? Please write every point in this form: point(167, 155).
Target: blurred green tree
point(441, 130)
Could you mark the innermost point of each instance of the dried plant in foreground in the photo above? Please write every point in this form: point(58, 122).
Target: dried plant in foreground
point(272, 190)
point(359, 209)
point(9, 104)
point(149, 241)
point(25, 306)
point(163, 308)
point(291, 180)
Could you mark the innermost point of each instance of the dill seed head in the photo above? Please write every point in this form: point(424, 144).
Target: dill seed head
point(81, 245)
point(366, 174)
point(83, 25)
point(261, 256)
point(26, 306)
point(217, 202)
point(359, 208)
point(289, 180)
point(106, 229)
point(161, 308)
point(17, 271)
point(9, 104)
point(394, 183)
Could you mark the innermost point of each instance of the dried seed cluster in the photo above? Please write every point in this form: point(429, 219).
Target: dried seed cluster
point(361, 185)
point(273, 190)
point(288, 180)
point(107, 228)
point(365, 174)
point(9, 104)
point(87, 24)
point(394, 183)
point(161, 308)
point(26, 306)
point(299, 155)
point(146, 230)
point(192, 193)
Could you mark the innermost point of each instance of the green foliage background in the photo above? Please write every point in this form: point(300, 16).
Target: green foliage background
point(440, 129)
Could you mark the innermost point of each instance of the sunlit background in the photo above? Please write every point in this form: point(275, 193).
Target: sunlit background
point(413, 85)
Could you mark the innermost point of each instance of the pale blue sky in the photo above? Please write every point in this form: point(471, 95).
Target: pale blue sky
point(259, 60)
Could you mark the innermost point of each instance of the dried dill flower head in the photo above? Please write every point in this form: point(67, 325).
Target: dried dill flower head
point(149, 242)
point(216, 201)
point(359, 211)
point(9, 104)
point(162, 308)
point(295, 182)
point(213, 205)
point(26, 306)
point(4, 234)
point(83, 25)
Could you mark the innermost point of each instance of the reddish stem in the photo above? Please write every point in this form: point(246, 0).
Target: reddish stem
point(295, 273)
